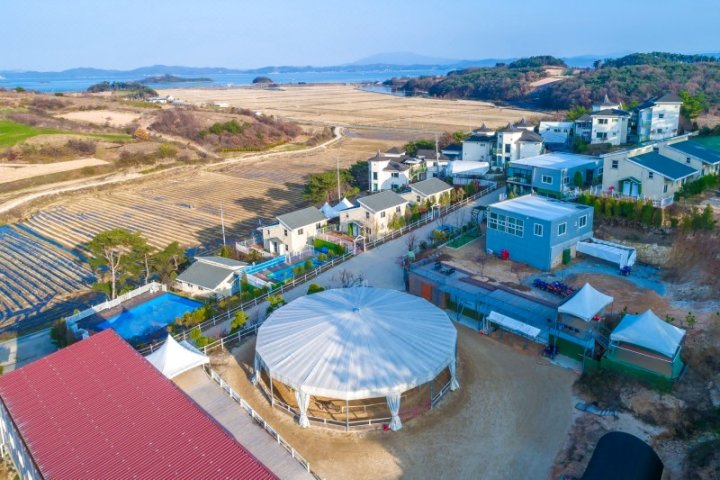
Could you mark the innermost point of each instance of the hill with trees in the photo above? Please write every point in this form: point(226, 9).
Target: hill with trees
point(630, 79)
point(133, 89)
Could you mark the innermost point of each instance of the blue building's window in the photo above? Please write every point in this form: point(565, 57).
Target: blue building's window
point(547, 179)
point(582, 221)
point(538, 229)
point(562, 229)
point(503, 223)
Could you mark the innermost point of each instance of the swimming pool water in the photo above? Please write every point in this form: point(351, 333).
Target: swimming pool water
point(150, 316)
point(287, 272)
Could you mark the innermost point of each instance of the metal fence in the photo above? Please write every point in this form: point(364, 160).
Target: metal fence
point(260, 421)
point(299, 280)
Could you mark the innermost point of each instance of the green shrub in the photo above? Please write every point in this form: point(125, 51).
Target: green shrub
point(309, 265)
point(239, 321)
point(315, 288)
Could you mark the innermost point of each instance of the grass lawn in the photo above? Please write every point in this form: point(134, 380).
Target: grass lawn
point(12, 133)
point(710, 142)
point(463, 240)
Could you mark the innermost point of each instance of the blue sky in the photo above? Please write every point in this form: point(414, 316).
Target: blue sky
point(123, 34)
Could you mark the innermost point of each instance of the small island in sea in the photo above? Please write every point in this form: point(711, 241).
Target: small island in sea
point(167, 78)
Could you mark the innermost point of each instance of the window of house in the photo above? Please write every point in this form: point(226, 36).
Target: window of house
point(659, 130)
point(318, 226)
point(687, 160)
point(417, 198)
point(651, 175)
point(285, 232)
point(547, 179)
point(615, 120)
point(602, 121)
point(503, 223)
point(382, 214)
point(601, 135)
point(397, 209)
point(300, 231)
point(507, 148)
point(367, 215)
point(562, 229)
point(374, 175)
point(395, 174)
point(566, 180)
point(615, 164)
point(665, 188)
point(661, 115)
point(538, 229)
point(582, 221)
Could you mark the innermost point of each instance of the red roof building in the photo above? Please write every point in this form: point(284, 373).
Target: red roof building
point(98, 409)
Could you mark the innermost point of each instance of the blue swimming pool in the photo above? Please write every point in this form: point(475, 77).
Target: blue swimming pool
point(287, 273)
point(150, 316)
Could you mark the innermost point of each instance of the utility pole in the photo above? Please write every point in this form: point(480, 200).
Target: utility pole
point(338, 178)
point(222, 223)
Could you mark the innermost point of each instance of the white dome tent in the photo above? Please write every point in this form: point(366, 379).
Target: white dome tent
point(174, 358)
point(356, 344)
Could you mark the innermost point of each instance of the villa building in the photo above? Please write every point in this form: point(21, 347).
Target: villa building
point(211, 276)
point(292, 231)
point(480, 145)
point(537, 230)
point(553, 174)
point(557, 133)
point(428, 190)
point(657, 118)
point(373, 214)
point(517, 141)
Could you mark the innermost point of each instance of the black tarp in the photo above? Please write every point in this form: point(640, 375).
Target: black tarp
point(621, 456)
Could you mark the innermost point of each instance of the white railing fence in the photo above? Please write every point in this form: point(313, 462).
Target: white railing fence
point(260, 421)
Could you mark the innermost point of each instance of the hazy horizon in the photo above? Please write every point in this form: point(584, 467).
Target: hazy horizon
point(47, 36)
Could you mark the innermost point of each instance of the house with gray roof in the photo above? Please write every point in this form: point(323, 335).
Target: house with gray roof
point(428, 190)
point(694, 154)
point(657, 118)
point(293, 231)
point(212, 275)
point(646, 173)
point(374, 214)
point(480, 145)
point(515, 142)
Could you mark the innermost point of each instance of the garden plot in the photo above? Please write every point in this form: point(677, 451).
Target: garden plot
point(34, 276)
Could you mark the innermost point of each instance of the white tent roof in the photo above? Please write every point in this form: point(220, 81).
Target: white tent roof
point(174, 358)
point(514, 325)
point(650, 332)
point(585, 303)
point(613, 252)
point(328, 211)
point(468, 166)
point(356, 343)
point(343, 204)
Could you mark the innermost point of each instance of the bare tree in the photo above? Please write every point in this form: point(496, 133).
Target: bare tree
point(347, 279)
point(410, 241)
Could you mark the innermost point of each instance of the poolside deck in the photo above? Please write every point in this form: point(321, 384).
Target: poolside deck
point(236, 421)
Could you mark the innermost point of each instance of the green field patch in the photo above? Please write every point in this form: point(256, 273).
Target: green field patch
point(12, 133)
point(463, 240)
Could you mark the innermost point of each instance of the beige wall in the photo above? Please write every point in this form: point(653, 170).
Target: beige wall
point(293, 240)
point(375, 221)
point(652, 188)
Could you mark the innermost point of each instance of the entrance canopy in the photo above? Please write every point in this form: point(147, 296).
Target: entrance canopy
point(174, 358)
point(356, 343)
point(514, 325)
point(586, 303)
point(650, 332)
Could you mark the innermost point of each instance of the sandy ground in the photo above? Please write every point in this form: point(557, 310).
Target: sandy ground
point(346, 105)
point(508, 420)
point(114, 118)
point(13, 172)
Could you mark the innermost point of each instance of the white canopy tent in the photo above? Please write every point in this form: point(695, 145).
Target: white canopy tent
point(586, 303)
point(609, 251)
point(357, 343)
point(513, 325)
point(334, 212)
point(174, 358)
point(650, 332)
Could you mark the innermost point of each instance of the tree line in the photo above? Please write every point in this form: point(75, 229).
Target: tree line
point(122, 260)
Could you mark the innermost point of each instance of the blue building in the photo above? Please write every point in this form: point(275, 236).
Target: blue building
point(537, 230)
point(553, 174)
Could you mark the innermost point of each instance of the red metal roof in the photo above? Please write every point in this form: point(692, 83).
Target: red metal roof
point(98, 409)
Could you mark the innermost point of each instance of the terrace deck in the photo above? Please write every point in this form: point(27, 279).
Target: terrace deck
point(239, 424)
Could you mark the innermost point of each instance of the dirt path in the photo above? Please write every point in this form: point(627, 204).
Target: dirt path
point(508, 420)
point(104, 181)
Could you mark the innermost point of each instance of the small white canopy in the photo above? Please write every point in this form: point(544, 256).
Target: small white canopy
point(343, 204)
point(328, 211)
point(585, 303)
point(174, 358)
point(650, 332)
point(612, 252)
point(468, 167)
point(513, 325)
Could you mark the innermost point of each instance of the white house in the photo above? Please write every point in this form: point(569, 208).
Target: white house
point(211, 276)
point(515, 142)
point(372, 214)
point(434, 163)
point(557, 133)
point(292, 231)
point(693, 154)
point(607, 123)
point(428, 190)
point(644, 173)
point(657, 118)
point(480, 146)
